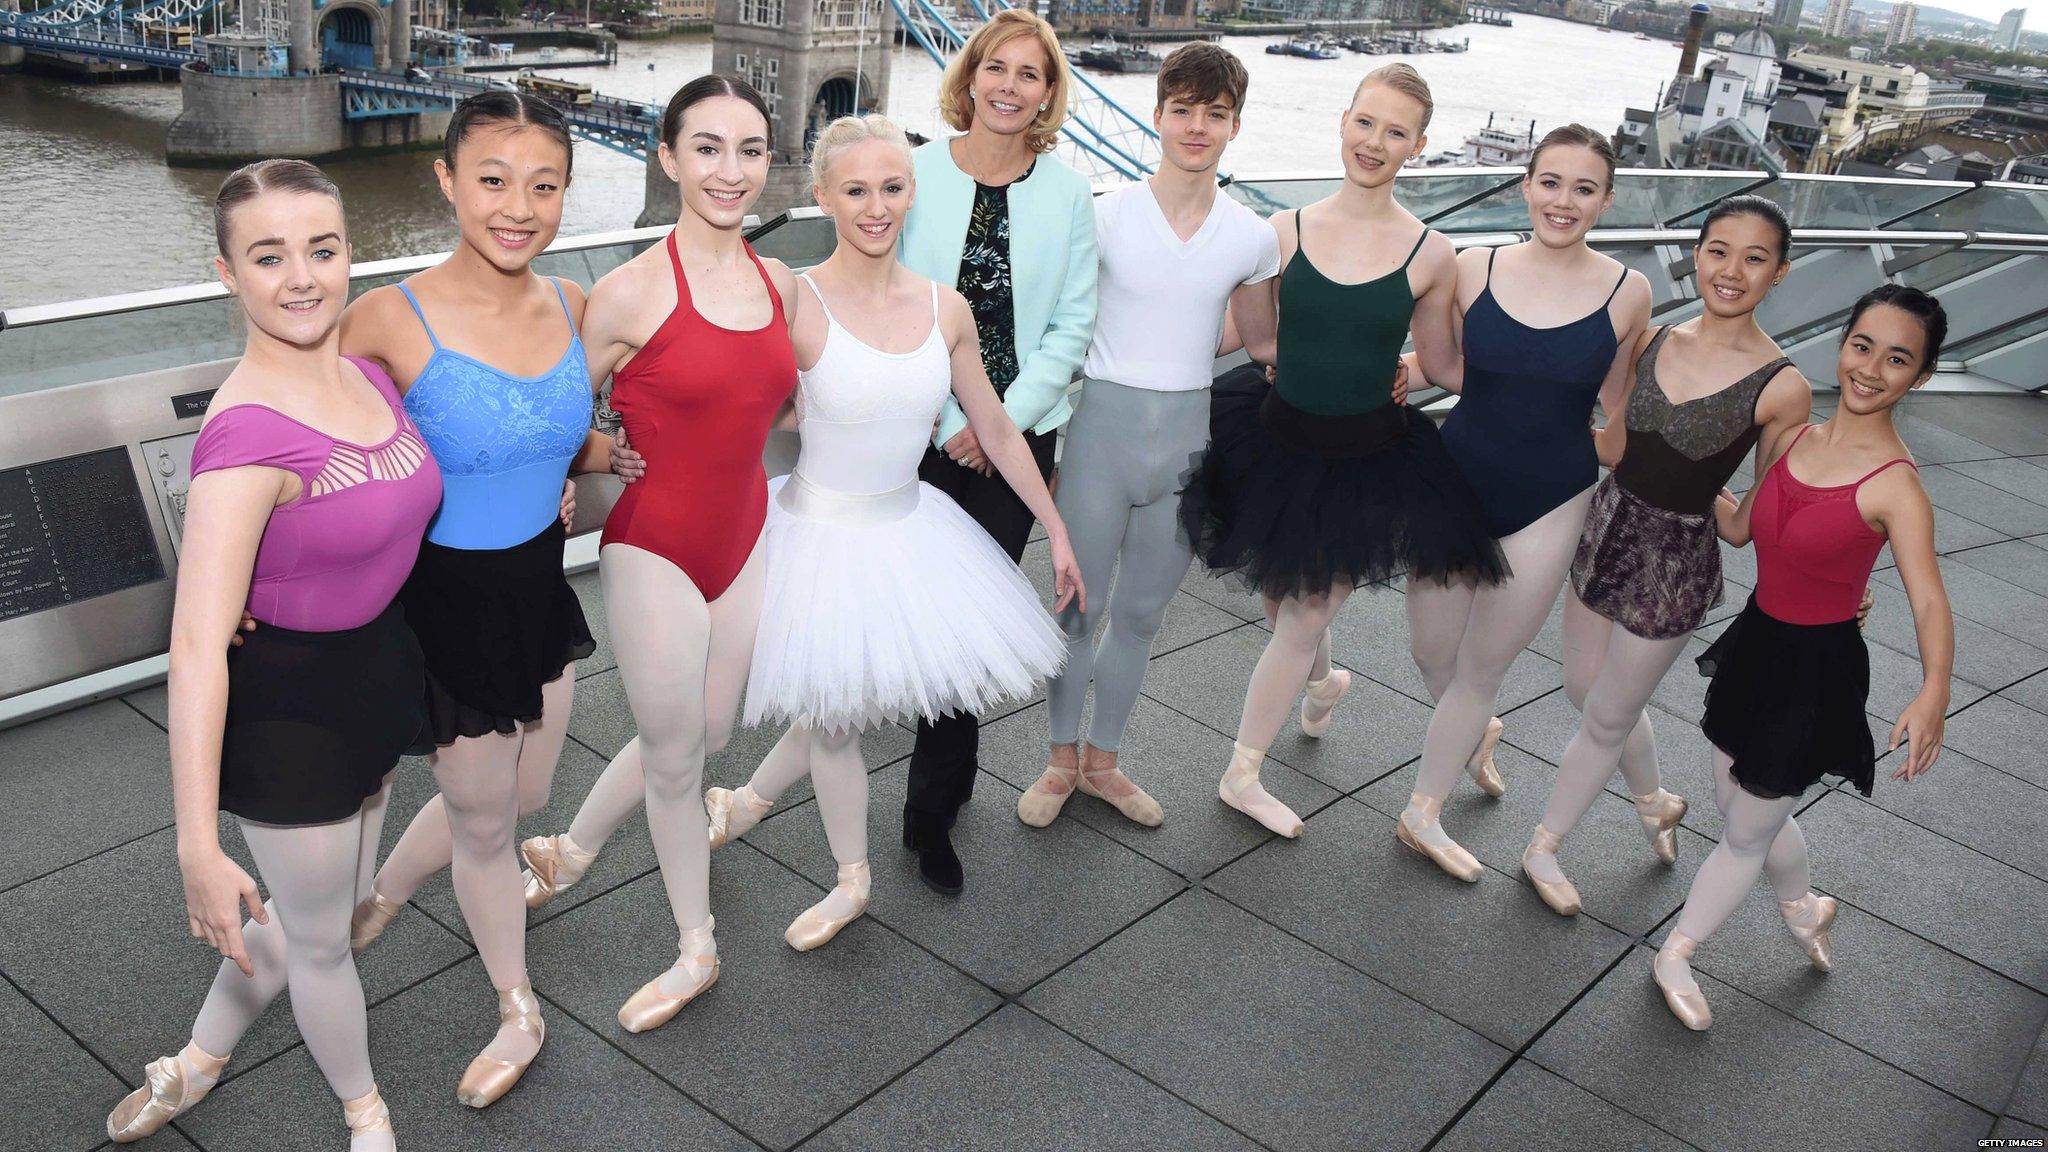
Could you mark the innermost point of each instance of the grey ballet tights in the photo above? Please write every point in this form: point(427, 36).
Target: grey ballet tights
point(1127, 453)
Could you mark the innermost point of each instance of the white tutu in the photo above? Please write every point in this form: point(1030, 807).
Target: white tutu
point(888, 607)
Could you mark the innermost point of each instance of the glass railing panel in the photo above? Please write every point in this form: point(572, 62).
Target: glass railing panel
point(1997, 338)
point(1990, 208)
point(1269, 196)
point(1826, 202)
point(101, 347)
point(1651, 199)
point(1953, 266)
point(800, 242)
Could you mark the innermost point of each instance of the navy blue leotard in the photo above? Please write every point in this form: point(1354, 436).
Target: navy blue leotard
point(1521, 430)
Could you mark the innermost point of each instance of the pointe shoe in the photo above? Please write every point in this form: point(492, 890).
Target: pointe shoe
point(1660, 813)
point(1808, 919)
point(552, 864)
point(1319, 704)
point(488, 1078)
point(1137, 805)
point(813, 928)
point(1450, 855)
point(369, 1123)
point(370, 919)
point(1689, 1005)
point(1039, 807)
point(1240, 789)
point(1481, 766)
point(1562, 897)
point(651, 1007)
point(171, 1087)
point(730, 812)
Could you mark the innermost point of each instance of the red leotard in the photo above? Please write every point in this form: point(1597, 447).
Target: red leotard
point(698, 401)
point(1813, 550)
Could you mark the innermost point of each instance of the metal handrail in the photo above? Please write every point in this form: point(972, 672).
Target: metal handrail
point(39, 314)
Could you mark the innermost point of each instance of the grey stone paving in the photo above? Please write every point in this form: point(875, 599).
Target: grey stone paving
point(1197, 986)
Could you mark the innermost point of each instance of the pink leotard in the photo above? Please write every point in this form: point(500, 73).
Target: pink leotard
point(333, 558)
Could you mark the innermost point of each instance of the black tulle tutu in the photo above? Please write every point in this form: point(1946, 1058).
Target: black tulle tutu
point(1786, 703)
point(496, 625)
point(1295, 501)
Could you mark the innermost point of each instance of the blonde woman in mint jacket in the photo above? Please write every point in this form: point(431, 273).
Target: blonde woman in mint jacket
point(999, 217)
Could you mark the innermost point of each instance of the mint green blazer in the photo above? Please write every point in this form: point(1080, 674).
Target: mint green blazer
point(1052, 273)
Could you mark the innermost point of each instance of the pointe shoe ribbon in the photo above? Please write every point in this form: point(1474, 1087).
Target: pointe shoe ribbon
point(1808, 919)
point(730, 812)
point(1038, 806)
point(813, 928)
point(1449, 855)
point(370, 919)
point(1319, 703)
point(167, 1092)
point(1688, 1004)
point(651, 1007)
point(1481, 766)
point(552, 864)
point(1136, 804)
point(488, 1078)
point(369, 1122)
point(1660, 813)
point(1240, 789)
point(1560, 895)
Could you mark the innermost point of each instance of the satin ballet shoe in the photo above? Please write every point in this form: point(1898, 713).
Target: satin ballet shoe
point(553, 863)
point(1450, 855)
point(814, 928)
point(1319, 704)
point(1562, 897)
point(1688, 1004)
point(651, 1007)
point(1481, 766)
point(1660, 813)
point(1137, 805)
point(1808, 919)
point(170, 1087)
point(369, 1124)
point(488, 1078)
point(730, 812)
point(1038, 807)
point(1240, 789)
point(370, 919)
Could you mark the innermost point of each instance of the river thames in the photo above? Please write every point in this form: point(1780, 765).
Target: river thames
point(91, 208)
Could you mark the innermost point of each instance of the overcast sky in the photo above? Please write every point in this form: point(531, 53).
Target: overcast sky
point(2036, 18)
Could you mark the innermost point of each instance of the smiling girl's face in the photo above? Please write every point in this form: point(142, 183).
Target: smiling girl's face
point(287, 261)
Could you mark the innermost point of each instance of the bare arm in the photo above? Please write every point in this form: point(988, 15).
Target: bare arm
point(1902, 507)
point(1436, 340)
point(1611, 439)
point(1004, 443)
point(1254, 319)
point(224, 522)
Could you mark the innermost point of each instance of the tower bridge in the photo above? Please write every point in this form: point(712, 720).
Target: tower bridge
point(314, 78)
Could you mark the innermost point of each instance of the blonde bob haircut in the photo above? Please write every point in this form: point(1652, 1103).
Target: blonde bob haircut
point(1402, 78)
point(848, 131)
point(957, 107)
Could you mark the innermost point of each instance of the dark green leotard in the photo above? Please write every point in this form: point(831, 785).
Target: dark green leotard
point(1338, 342)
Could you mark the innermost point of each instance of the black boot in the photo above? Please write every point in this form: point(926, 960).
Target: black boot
point(931, 838)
